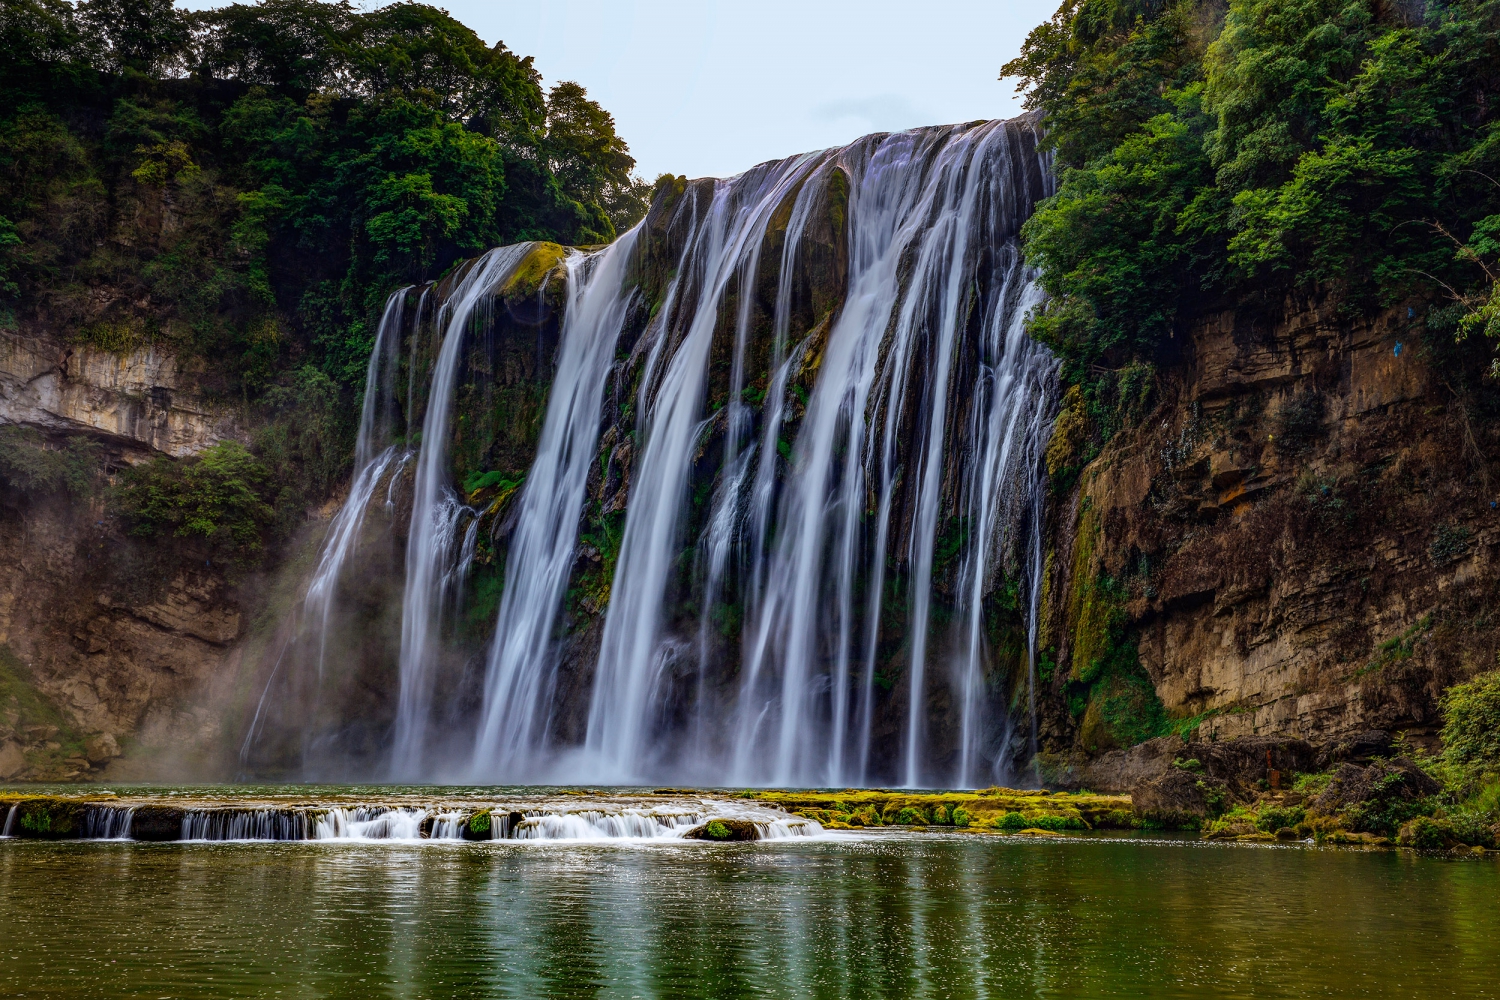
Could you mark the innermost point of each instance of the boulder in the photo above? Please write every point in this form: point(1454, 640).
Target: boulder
point(48, 819)
point(1178, 799)
point(724, 830)
point(12, 760)
point(1382, 781)
point(156, 823)
point(1361, 748)
point(1242, 762)
point(1427, 833)
point(480, 826)
point(101, 749)
point(1122, 770)
point(1245, 761)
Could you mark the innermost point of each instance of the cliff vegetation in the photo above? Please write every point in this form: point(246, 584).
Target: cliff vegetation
point(244, 187)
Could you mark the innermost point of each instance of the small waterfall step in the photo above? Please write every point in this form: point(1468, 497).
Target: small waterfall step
point(403, 818)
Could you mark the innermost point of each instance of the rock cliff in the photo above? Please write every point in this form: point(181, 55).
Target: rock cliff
point(108, 642)
point(1300, 538)
point(139, 401)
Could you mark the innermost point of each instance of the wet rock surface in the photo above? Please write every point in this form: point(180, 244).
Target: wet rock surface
point(156, 823)
point(724, 831)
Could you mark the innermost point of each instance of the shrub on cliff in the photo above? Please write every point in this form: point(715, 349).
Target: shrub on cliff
point(1471, 729)
point(31, 467)
point(221, 497)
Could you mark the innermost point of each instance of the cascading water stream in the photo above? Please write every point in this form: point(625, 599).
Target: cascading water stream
point(436, 512)
point(542, 549)
point(1010, 431)
point(723, 246)
point(450, 822)
point(373, 457)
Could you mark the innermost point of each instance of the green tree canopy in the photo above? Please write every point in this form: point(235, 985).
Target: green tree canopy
point(250, 182)
point(1213, 154)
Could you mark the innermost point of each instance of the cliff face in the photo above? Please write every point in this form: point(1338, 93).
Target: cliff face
point(139, 401)
point(1299, 539)
point(109, 642)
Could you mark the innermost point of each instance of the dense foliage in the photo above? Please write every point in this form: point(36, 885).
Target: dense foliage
point(1216, 153)
point(249, 183)
point(1471, 730)
point(29, 468)
point(245, 186)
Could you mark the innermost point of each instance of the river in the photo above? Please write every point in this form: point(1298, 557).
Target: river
point(888, 913)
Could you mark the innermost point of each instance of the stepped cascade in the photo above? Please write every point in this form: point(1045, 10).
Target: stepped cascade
point(751, 495)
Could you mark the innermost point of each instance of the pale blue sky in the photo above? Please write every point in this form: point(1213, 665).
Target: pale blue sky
point(710, 88)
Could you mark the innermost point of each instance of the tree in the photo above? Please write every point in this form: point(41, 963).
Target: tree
point(144, 37)
point(292, 46)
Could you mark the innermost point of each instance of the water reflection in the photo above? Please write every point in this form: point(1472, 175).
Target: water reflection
point(883, 916)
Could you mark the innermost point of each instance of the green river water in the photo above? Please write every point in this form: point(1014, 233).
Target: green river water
point(882, 914)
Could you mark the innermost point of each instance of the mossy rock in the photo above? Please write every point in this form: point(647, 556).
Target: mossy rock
point(1354, 839)
point(48, 819)
point(533, 271)
point(724, 831)
point(480, 826)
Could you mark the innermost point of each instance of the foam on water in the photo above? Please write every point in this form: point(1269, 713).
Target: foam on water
point(532, 819)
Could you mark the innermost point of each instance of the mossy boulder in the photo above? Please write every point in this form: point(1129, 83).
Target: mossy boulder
point(724, 830)
point(480, 826)
point(1427, 833)
point(1178, 800)
point(48, 819)
point(1375, 799)
point(537, 287)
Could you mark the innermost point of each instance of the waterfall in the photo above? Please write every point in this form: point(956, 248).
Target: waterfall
point(373, 457)
point(913, 414)
point(530, 818)
point(246, 824)
point(1004, 491)
point(108, 823)
point(828, 423)
point(541, 554)
point(436, 512)
point(376, 418)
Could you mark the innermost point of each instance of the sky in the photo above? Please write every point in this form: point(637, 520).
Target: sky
point(712, 88)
